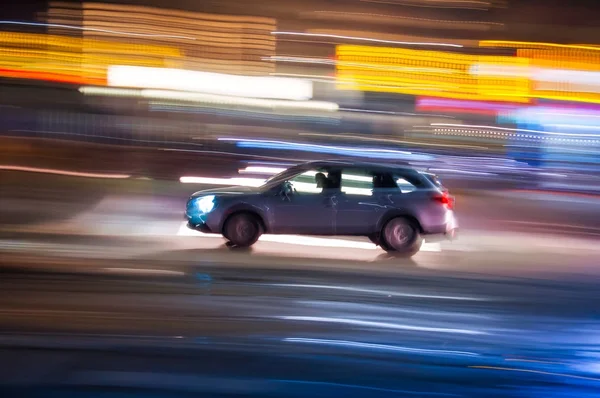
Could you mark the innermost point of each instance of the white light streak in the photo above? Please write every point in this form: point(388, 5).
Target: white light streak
point(210, 83)
point(513, 130)
point(391, 293)
point(54, 25)
point(63, 172)
point(367, 39)
point(382, 325)
point(244, 182)
point(212, 100)
point(384, 347)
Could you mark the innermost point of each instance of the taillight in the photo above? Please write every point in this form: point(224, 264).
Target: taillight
point(445, 199)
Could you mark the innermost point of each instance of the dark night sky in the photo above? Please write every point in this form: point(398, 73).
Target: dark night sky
point(21, 9)
point(545, 12)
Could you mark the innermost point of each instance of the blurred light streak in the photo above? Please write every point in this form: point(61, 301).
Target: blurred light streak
point(378, 292)
point(223, 43)
point(76, 45)
point(322, 386)
point(447, 104)
point(456, 171)
point(244, 155)
point(332, 36)
point(490, 69)
point(546, 115)
point(533, 361)
point(366, 65)
point(535, 45)
point(447, 73)
point(63, 172)
point(142, 271)
point(577, 80)
point(403, 20)
point(382, 325)
point(116, 138)
point(212, 99)
point(321, 78)
point(355, 151)
point(377, 112)
point(460, 4)
point(384, 309)
point(575, 126)
point(268, 115)
point(504, 135)
point(120, 33)
point(420, 143)
point(384, 347)
point(535, 371)
point(72, 60)
point(261, 170)
point(244, 182)
point(49, 76)
point(210, 83)
point(514, 130)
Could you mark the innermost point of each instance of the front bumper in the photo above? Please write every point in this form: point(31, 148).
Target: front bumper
point(199, 227)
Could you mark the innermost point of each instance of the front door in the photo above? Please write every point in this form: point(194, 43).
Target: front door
point(306, 209)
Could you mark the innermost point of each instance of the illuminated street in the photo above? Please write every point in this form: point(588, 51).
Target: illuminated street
point(254, 199)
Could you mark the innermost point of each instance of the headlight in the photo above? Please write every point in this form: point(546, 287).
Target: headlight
point(206, 203)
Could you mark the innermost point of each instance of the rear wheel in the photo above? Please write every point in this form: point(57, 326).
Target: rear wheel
point(378, 241)
point(400, 236)
point(242, 230)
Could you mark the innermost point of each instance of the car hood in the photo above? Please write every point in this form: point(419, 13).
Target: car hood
point(227, 191)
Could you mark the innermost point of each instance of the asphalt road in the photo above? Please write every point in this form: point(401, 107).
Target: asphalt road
point(266, 331)
point(107, 288)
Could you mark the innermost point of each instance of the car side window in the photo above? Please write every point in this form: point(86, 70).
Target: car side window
point(408, 182)
point(357, 182)
point(384, 181)
point(405, 186)
point(311, 181)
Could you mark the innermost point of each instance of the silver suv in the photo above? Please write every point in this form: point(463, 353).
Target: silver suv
point(393, 206)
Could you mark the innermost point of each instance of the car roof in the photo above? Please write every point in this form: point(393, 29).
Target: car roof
point(357, 165)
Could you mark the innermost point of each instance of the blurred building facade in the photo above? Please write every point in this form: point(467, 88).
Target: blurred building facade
point(453, 77)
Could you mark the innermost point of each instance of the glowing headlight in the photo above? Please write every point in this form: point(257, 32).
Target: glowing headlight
point(206, 204)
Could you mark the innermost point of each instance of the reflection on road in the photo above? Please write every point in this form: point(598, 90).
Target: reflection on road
point(112, 278)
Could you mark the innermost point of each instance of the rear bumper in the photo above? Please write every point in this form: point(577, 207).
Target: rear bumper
point(447, 231)
point(441, 237)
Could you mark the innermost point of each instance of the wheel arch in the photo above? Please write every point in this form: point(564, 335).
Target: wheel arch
point(395, 214)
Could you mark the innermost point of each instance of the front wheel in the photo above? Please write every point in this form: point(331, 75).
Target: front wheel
point(401, 237)
point(242, 230)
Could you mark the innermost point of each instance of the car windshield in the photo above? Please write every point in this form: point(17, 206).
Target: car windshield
point(281, 176)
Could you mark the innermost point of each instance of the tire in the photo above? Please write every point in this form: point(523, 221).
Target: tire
point(375, 239)
point(378, 241)
point(242, 230)
point(401, 237)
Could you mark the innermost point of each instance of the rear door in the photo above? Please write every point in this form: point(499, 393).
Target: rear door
point(358, 206)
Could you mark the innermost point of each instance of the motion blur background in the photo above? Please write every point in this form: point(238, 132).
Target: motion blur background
point(112, 113)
